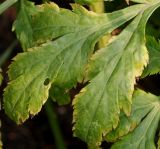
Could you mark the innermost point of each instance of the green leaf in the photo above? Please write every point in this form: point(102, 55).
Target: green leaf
point(112, 72)
point(89, 1)
point(58, 62)
point(22, 26)
point(143, 104)
point(6, 4)
point(154, 57)
point(146, 111)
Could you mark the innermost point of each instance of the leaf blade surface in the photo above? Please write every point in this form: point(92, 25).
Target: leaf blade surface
point(59, 62)
point(112, 72)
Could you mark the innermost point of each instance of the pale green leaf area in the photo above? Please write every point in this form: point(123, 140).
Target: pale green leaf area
point(57, 22)
point(112, 72)
point(59, 62)
point(89, 1)
point(153, 67)
point(146, 107)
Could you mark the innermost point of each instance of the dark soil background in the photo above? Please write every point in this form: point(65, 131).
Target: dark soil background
point(36, 133)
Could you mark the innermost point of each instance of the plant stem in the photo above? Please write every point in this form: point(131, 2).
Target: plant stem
point(99, 7)
point(6, 4)
point(52, 118)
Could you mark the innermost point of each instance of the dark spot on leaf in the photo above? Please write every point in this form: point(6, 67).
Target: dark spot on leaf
point(46, 82)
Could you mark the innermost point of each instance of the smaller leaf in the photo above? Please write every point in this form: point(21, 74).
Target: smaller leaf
point(153, 67)
point(146, 107)
point(85, 1)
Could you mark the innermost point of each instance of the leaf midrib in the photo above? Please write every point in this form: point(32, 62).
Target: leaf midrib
point(123, 49)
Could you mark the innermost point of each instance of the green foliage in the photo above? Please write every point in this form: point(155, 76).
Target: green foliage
point(59, 52)
point(146, 114)
point(153, 67)
point(112, 72)
point(85, 1)
point(62, 60)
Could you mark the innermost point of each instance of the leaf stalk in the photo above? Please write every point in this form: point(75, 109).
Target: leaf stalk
point(52, 119)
